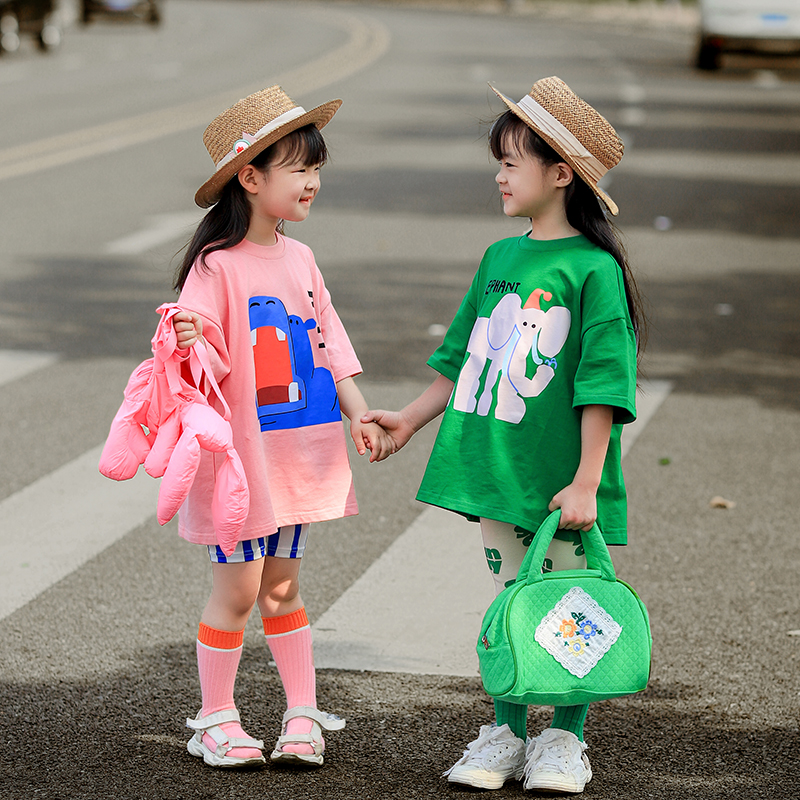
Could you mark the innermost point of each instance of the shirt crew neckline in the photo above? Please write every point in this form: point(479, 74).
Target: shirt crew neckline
point(266, 251)
point(550, 245)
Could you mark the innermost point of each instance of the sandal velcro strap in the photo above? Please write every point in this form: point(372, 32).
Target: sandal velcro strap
point(231, 743)
point(296, 738)
point(328, 722)
point(319, 721)
point(211, 720)
point(210, 725)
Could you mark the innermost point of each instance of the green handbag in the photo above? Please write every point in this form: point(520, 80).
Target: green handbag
point(565, 638)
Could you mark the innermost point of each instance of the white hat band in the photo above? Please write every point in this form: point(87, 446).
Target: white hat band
point(548, 124)
point(240, 145)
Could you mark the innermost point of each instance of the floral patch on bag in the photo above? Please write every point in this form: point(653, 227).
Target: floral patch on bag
point(577, 632)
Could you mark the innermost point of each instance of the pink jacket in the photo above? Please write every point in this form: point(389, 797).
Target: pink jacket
point(165, 420)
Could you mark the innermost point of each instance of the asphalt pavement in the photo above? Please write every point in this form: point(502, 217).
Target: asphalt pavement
point(97, 666)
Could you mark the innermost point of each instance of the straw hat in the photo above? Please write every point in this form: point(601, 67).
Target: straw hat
point(581, 136)
point(247, 128)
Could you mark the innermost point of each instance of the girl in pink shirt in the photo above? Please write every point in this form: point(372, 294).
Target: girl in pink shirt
point(257, 301)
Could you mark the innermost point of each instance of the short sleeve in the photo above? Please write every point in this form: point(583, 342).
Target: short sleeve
point(448, 358)
point(606, 372)
point(342, 357)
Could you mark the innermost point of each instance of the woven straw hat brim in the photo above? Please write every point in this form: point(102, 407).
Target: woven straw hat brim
point(599, 193)
point(210, 191)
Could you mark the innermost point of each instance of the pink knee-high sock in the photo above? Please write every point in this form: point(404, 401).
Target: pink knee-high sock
point(289, 640)
point(218, 654)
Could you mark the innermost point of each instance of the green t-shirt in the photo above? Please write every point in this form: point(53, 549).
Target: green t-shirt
point(543, 331)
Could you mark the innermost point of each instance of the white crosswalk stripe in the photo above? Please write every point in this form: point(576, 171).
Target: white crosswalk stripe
point(87, 512)
point(408, 632)
point(427, 593)
point(16, 364)
point(159, 230)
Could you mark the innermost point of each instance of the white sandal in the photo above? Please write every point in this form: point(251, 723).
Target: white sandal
point(320, 721)
point(219, 758)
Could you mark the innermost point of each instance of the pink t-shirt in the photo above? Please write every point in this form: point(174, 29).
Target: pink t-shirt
point(277, 348)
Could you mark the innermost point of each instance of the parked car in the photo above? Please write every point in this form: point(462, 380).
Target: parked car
point(746, 26)
point(35, 18)
point(145, 10)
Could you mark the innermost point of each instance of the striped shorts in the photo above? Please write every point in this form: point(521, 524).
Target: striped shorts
point(287, 542)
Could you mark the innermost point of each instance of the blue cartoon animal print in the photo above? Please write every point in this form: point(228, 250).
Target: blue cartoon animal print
point(290, 391)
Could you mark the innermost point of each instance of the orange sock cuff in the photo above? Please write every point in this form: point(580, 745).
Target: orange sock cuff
point(288, 623)
point(219, 640)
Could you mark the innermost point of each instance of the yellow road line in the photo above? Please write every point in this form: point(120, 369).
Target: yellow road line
point(368, 40)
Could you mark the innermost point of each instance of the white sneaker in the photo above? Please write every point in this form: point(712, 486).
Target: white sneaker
point(556, 762)
point(488, 762)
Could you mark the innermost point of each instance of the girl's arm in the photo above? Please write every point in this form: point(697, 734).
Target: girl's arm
point(578, 501)
point(402, 425)
point(366, 435)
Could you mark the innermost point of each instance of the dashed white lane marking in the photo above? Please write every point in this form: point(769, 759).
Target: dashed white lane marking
point(56, 524)
point(418, 608)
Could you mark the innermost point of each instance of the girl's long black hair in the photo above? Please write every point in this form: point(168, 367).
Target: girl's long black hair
point(226, 224)
point(584, 211)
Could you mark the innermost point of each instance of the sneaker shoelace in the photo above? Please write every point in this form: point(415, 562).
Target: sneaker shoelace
point(557, 755)
point(478, 751)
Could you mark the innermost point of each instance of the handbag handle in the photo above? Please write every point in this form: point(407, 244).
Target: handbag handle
point(593, 544)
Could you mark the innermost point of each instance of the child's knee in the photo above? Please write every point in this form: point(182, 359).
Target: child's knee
point(279, 592)
point(239, 603)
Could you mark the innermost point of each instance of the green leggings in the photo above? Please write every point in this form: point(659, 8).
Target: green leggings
point(505, 546)
point(565, 718)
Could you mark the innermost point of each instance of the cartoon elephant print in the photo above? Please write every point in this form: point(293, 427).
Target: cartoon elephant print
point(505, 339)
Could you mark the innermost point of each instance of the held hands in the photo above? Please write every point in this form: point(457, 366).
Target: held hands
point(367, 433)
point(393, 425)
point(189, 328)
point(371, 436)
point(578, 506)
point(400, 426)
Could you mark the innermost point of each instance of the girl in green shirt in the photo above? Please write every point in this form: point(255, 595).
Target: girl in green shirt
point(537, 377)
